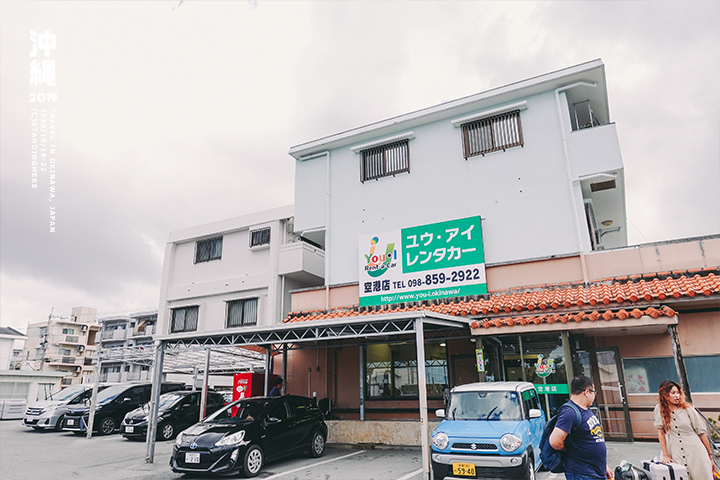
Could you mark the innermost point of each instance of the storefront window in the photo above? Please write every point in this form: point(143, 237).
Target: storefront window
point(391, 370)
point(643, 375)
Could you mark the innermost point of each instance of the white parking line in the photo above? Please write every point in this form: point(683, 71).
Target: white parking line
point(313, 465)
point(410, 475)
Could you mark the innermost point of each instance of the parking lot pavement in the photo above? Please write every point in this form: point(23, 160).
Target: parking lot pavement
point(29, 455)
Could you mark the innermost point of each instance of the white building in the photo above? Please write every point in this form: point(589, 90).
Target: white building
point(63, 344)
point(539, 160)
point(235, 273)
point(11, 346)
point(121, 338)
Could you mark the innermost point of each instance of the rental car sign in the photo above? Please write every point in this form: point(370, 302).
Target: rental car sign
point(426, 262)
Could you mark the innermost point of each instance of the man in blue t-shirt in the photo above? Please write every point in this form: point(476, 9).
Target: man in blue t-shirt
point(586, 452)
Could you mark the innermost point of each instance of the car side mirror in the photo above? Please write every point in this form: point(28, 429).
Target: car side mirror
point(126, 400)
point(535, 413)
point(440, 413)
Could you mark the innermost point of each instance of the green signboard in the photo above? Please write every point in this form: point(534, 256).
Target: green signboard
point(552, 388)
point(426, 262)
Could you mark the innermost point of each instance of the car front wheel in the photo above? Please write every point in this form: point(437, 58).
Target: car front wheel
point(253, 461)
point(317, 446)
point(166, 431)
point(530, 472)
point(59, 423)
point(107, 426)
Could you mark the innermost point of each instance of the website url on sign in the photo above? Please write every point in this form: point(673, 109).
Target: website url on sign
point(413, 297)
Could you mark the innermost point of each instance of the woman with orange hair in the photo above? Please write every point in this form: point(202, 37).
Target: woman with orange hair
point(682, 432)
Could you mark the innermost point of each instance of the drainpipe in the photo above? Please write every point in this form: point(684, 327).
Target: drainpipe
point(327, 230)
point(568, 170)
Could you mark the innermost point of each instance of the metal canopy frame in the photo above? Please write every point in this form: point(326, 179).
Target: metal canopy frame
point(358, 330)
point(355, 330)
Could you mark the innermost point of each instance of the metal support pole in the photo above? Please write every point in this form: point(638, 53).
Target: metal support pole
point(267, 370)
point(284, 370)
point(154, 400)
point(522, 359)
point(206, 379)
point(422, 394)
point(93, 398)
point(361, 349)
point(679, 361)
point(567, 354)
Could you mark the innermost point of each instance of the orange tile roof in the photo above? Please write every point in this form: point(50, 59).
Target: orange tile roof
point(615, 298)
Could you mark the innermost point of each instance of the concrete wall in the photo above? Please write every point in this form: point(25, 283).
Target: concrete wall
point(397, 433)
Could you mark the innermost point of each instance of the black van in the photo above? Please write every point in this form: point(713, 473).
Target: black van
point(176, 411)
point(112, 405)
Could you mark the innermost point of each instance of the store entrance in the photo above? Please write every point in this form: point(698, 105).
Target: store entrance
point(612, 396)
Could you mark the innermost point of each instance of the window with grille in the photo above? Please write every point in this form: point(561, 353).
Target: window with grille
point(491, 134)
point(184, 319)
point(385, 160)
point(210, 249)
point(260, 237)
point(242, 313)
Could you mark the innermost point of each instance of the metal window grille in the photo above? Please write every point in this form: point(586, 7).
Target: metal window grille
point(242, 313)
point(184, 319)
point(260, 237)
point(491, 134)
point(385, 160)
point(210, 249)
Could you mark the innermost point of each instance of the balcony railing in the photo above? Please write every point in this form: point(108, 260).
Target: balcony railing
point(119, 334)
point(146, 331)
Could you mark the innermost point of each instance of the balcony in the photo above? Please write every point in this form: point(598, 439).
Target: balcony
point(118, 334)
point(594, 150)
point(66, 340)
point(144, 331)
point(65, 361)
point(302, 262)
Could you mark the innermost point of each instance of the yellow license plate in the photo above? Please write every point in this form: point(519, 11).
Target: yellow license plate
point(464, 469)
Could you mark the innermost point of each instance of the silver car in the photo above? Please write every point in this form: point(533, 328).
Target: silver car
point(49, 413)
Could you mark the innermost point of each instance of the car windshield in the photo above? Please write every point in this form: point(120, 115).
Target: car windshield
point(110, 393)
point(67, 393)
point(244, 410)
point(167, 400)
point(484, 406)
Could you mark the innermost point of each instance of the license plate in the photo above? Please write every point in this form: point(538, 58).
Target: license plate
point(192, 457)
point(467, 469)
point(129, 429)
point(70, 421)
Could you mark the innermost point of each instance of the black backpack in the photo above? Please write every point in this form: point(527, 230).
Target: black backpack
point(554, 460)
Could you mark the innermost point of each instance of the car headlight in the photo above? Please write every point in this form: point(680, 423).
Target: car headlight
point(510, 442)
point(180, 438)
point(48, 409)
point(440, 440)
point(234, 439)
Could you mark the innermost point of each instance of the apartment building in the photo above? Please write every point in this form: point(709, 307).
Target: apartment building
point(64, 344)
point(123, 339)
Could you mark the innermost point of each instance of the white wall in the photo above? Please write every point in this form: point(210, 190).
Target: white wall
point(241, 272)
point(522, 194)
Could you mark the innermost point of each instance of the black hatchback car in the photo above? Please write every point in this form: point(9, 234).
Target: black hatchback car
point(246, 433)
point(176, 411)
point(112, 405)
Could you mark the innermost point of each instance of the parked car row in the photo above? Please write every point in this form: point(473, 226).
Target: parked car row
point(233, 438)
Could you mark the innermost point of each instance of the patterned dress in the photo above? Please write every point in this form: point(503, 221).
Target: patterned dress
point(683, 441)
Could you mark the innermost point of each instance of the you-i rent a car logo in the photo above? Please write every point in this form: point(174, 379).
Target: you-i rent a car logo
point(378, 264)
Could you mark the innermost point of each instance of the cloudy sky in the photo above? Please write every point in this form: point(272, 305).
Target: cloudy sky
point(170, 114)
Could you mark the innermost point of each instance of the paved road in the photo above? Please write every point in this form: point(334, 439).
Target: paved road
point(29, 455)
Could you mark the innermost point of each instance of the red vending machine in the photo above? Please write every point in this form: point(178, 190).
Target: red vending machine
point(249, 384)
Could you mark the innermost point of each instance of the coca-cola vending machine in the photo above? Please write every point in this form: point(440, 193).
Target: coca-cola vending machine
point(250, 384)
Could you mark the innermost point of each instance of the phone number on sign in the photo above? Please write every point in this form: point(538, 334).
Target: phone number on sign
point(441, 278)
